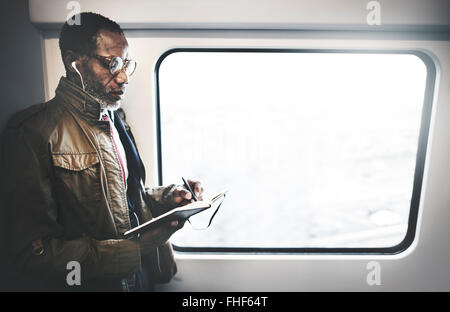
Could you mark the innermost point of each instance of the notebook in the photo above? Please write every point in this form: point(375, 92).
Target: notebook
point(178, 213)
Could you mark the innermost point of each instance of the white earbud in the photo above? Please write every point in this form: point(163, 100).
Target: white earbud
point(76, 69)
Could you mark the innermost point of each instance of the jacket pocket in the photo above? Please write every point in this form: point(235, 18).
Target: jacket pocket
point(75, 162)
point(78, 191)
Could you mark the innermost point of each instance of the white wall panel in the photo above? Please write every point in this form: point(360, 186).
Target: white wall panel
point(252, 14)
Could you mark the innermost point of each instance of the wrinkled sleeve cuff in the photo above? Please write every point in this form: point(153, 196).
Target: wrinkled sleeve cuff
point(129, 257)
point(119, 257)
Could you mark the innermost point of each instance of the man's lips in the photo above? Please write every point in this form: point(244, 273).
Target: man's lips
point(116, 94)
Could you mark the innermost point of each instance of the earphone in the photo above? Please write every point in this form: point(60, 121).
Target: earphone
point(76, 69)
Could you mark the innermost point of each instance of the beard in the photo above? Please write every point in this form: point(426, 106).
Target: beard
point(102, 97)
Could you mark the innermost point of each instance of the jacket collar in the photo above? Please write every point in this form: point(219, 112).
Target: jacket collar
point(83, 102)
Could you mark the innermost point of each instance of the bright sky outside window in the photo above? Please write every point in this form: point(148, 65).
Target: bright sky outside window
point(317, 149)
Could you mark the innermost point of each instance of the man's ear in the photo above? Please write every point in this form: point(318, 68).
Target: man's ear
point(72, 58)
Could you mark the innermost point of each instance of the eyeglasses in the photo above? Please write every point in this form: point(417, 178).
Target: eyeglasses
point(116, 64)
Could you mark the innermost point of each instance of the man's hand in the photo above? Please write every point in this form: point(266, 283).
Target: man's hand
point(181, 196)
point(159, 236)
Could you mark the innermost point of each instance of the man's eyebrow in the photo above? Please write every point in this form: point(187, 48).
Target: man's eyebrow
point(111, 56)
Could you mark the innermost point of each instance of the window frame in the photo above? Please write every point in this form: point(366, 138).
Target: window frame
point(418, 171)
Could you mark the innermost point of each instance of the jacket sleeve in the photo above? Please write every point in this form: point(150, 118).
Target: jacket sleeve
point(33, 237)
point(159, 199)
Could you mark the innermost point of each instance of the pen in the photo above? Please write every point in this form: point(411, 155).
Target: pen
point(189, 189)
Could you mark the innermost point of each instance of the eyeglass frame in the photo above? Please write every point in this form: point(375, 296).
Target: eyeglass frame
point(109, 59)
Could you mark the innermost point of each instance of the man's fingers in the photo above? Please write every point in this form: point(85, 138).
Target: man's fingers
point(182, 222)
point(179, 224)
point(200, 195)
point(196, 186)
point(187, 195)
point(160, 235)
point(175, 225)
point(180, 194)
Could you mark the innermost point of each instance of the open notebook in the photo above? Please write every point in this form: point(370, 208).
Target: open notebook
point(178, 213)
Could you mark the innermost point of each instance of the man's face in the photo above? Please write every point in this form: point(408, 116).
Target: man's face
point(108, 89)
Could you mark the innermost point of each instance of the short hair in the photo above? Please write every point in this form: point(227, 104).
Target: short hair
point(82, 38)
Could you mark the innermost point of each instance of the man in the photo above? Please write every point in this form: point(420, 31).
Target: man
point(72, 178)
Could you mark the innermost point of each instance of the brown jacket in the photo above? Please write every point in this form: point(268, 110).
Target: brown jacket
point(63, 198)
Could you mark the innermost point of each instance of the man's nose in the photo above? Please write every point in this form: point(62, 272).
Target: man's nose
point(121, 78)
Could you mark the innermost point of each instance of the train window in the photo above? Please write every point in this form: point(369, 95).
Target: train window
point(321, 150)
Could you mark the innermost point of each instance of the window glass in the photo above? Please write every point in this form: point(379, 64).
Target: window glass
point(316, 149)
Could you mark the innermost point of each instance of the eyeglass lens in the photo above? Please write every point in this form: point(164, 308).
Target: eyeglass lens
point(116, 66)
